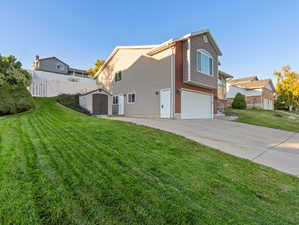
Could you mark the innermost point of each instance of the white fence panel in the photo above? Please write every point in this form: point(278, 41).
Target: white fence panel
point(51, 84)
point(38, 88)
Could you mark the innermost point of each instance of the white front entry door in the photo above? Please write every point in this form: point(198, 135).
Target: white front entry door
point(196, 105)
point(121, 105)
point(165, 103)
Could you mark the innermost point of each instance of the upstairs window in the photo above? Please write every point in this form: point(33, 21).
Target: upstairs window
point(131, 98)
point(117, 76)
point(204, 62)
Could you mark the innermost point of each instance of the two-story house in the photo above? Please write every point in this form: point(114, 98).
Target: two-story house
point(175, 79)
point(55, 65)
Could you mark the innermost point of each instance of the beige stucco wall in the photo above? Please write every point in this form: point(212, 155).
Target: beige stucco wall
point(146, 77)
point(198, 78)
point(122, 60)
point(142, 74)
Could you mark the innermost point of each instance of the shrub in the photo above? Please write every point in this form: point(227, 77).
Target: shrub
point(23, 99)
point(15, 100)
point(14, 96)
point(71, 101)
point(239, 102)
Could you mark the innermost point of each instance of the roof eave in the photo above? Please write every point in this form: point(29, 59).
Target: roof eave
point(193, 34)
point(226, 75)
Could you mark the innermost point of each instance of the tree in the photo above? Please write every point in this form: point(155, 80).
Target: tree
point(14, 95)
point(239, 102)
point(12, 74)
point(93, 70)
point(287, 87)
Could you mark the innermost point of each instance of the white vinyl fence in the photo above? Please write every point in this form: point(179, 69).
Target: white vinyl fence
point(38, 88)
point(46, 84)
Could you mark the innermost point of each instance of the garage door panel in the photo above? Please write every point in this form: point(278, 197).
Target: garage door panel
point(196, 105)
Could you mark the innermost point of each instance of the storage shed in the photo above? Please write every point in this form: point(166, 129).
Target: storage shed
point(97, 102)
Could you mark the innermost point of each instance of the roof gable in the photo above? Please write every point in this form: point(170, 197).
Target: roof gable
point(256, 84)
point(243, 80)
point(55, 58)
point(96, 90)
point(116, 50)
point(171, 42)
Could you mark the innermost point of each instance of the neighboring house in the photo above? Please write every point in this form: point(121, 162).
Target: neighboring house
point(258, 93)
point(175, 79)
point(51, 77)
point(55, 65)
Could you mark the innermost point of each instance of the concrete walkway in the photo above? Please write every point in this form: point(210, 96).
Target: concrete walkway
point(275, 148)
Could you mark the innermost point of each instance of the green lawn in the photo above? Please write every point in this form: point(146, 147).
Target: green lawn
point(58, 166)
point(268, 118)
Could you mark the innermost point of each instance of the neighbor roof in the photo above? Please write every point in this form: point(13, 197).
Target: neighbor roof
point(78, 70)
point(243, 80)
point(53, 57)
point(255, 84)
point(70, 69)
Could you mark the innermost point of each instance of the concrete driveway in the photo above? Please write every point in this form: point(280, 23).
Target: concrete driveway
point(275, 148)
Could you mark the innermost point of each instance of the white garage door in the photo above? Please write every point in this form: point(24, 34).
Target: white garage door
point(196, 105)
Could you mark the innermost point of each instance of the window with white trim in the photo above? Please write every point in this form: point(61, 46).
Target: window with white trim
point(204, 62)
point(115, 100)
point(131, 98)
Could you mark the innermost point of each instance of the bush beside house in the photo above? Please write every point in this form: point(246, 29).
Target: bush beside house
point(239, 102)
point(71, 101)
point(14, 96)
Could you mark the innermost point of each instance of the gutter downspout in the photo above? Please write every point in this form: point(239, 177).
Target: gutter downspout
point(172, 84)
point(189, 59)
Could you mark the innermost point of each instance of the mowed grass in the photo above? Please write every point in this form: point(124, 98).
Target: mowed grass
point(58, 166)
point(266, 118)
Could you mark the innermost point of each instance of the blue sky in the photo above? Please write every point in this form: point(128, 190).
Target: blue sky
point(256, 37)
